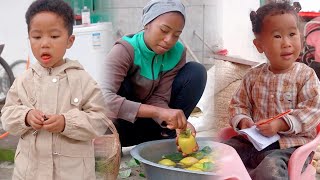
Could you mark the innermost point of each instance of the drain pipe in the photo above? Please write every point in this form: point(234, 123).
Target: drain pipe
point(189, 50)
point(205, 43)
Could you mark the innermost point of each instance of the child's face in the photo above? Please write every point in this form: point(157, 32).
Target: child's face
point(49, 39)
point(162, 33)
point(280, 41)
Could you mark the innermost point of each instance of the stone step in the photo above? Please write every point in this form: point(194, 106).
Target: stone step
point(6, 170)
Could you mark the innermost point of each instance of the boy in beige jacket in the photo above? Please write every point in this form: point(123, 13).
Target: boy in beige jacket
point(55, 106)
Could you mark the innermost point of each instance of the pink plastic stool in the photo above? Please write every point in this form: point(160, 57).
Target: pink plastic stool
point(296, 160)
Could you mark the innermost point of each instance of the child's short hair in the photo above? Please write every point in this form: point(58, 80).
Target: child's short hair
point(273, 8)
point(58, 7)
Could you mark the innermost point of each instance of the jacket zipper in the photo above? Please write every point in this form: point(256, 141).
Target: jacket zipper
point(49, 69)
point(152, 72)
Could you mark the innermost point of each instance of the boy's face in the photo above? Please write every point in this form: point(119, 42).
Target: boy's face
point(162, 33)
point(280, 41)
point(49, 39)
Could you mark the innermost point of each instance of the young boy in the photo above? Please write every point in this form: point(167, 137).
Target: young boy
point(273, 88)
point(55, 106)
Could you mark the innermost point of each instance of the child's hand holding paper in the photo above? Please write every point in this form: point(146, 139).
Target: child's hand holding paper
point(271, 128)
point(258, 140)
point(264, 132)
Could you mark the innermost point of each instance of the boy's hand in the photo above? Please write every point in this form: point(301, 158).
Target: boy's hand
point(35, 119)
point(272, 128)
point(54, 124)
point(245, 123)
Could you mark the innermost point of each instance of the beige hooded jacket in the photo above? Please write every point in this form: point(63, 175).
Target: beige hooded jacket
point(67, 90)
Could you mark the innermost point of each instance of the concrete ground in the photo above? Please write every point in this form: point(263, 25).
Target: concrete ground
point(10, 142)
point(134, 171)
point(6, 168)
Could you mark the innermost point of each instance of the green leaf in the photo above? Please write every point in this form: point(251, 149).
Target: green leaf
point(186, 133)
point(6, 155)
point(142, 175)
point(199, 155)
point(124, 173)
point(176, 157)
point(133, 163)
point(138, 162)
point(207, 150)
point(208, 166)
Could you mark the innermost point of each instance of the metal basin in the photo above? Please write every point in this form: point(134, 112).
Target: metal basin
point(149, 153)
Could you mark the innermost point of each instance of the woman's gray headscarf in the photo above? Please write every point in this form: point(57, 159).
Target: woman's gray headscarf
point(156, 8)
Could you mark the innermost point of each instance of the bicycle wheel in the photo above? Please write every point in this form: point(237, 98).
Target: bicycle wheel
point(18, 67)
point(6, 79)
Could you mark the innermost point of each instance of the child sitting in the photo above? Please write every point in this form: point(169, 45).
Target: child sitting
point(273, 88)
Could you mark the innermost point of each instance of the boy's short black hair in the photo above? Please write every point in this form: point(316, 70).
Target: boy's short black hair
point(273, 8)
point(58, 7)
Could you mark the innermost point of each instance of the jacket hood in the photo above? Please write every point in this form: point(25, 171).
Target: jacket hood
point(69, 64)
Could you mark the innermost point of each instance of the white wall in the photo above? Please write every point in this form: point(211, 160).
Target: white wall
point(310, 5)
point(13, 29)
point(221, 23)
point(237, 34)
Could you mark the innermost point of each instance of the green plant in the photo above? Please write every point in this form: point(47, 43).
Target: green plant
point(7, 155)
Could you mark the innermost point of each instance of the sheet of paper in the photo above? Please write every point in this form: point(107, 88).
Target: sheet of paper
point(258, 140)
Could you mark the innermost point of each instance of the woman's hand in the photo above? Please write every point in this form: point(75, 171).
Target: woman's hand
point(35, 119)
point(272, 128)
point(54, 124)
point(171, 118)
point(193, 130)
point(189, 126)
point(174, 118)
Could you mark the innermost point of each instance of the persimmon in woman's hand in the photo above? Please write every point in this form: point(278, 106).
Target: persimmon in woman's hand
point(187, 142)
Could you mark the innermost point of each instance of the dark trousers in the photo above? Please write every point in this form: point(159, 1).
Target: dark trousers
point(270, 163)
point(187, 89)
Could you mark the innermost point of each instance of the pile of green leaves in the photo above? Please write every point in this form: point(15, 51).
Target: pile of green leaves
point(206, 151)
point(177, 156)
point(126, 171)
point(6, 155)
